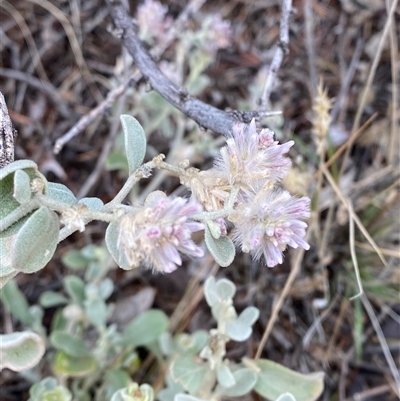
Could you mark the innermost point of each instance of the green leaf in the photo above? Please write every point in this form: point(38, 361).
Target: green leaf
point(20, 350)
point(115, 380)
point(36, 241)
point(145, 329)
point(16, 303)
point(189, 373)
point(275, 380)
point(61, 193)
point(111, 238)
point(249, 316)
point(74, 260)
point(135, 142)
point(75, 288)
point(7, 201)
point(65, 364)
point(210, 291)
point(96, 311)
point(245, 380)
point(72, 346)
point(49, 299)
point(222, 249)
point(238, 331)
point(225, 377)
point(7, 272)
point(225, 289)
point(22, 187)
point(49, 390)
point(94, 204)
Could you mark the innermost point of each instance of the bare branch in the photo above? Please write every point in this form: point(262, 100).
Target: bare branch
point(205, 115)
point(7, 135)
point(281, 50)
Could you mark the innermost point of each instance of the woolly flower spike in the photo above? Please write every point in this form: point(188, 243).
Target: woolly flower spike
point(269, 222)
point(253, 160)
point(156, 232)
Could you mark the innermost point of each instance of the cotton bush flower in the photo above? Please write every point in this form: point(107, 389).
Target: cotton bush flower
point(219, 33)
point(153, 20)
point(252, 160)
point(74, 217)
point(270, 221)
point(158, 231)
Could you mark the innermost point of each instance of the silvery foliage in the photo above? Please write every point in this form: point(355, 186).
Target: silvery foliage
point(30, 209)
point(213, 376)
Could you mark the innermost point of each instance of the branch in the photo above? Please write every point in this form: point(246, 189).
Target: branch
point(205, 115)
point(7, 135)
point(281, 50)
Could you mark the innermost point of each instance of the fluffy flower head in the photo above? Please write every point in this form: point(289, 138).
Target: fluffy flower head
point(253, 160)
point(270, 221)
point(157, 232)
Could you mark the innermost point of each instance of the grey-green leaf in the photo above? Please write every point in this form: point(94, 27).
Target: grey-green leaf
point(245, 380)
point(135, 142)
point(20, 350)
point(49, 299)
point(275, 380)
point(16, 303)
point(71, 345)
point(94, 204)
point(145, 329)
point(112, 233)
point(22, 186)
point(225, 376)
point(75, 288)
point(188, 372)
point(61, 193)
point(36, 241)
point(222, 249)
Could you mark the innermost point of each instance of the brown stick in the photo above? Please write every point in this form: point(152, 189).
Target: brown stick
point(7, 135)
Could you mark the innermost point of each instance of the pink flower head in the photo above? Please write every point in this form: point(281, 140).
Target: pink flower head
point(219, 33)
point(157, 232)
point(253, 160)
point(270, 221)
point(152, 20)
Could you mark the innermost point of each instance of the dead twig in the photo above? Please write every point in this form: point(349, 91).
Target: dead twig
point(112, 96)
point(7, 135)
point(205, 115)
point(281, 50)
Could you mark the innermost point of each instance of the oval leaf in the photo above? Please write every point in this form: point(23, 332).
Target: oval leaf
point(189, 373)
point(73, 346)
point(21, 350)
point(135, 142)
point(94, 204)
point(112, 246)
point(61, 193)
point(65, 364)
point(245, 380)
point(225, 376)
point(275, 380)
point(49, 299)
point(222, 249)
point(16, 303)
point(238, 331)
point(249, 316)
point(36, 241)
point(22, 187)
point(145, 329)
